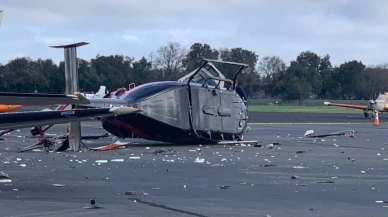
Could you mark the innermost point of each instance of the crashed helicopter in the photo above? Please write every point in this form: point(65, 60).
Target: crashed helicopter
point(203, 107)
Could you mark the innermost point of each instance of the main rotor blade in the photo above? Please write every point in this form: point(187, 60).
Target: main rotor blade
point(41, 99)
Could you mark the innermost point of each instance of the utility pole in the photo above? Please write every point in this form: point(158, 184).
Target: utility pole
point(72, 88)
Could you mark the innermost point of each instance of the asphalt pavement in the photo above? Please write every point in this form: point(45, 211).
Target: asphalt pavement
point(284, 175)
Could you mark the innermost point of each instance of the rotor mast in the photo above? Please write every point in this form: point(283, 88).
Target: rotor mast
point(72, 88)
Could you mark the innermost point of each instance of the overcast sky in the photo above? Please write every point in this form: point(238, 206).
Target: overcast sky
point(344, 29)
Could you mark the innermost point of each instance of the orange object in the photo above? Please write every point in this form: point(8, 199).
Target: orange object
point(108, 147)
point(9, 108)
point(376, 120)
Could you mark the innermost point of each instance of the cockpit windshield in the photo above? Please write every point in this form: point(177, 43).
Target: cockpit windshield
point(207, 75)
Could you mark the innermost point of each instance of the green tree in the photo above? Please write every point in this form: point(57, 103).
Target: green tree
point(249, 80)
point(196, 54)
point(142, 71)
point(271, 68)
point(169, 61)
point(350, 76)
point(112, 71)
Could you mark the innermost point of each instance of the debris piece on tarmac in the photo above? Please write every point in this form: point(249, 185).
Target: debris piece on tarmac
point(294, 177)
point(300, 152)
point(93, 205)
point(135, 194)
point(299, 167)
point(58, 185)
point(347, 133)
point(134, 157)
point(224, 187)
point(117, 160)
point(4, 178)
point(110, 147)
point(199, 160)
point(101, 161)
point(325, 182)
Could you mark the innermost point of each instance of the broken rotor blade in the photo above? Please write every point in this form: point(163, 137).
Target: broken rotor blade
point(41, 99)
point(123, 110)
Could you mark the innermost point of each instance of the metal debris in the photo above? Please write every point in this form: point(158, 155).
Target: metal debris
point(199, 160)
point(224, 187)
point(93, 205)
point(4, 178)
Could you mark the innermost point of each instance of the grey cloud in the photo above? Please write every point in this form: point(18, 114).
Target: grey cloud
point(345, 29)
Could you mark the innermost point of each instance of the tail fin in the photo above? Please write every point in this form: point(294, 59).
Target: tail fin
point(101, 92)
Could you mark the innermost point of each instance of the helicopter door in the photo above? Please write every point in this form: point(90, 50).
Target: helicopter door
point(205, 104)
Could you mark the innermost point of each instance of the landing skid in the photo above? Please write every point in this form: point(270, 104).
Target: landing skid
point(231, 142)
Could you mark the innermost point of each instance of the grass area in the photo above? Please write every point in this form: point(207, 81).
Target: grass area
point(311, 106)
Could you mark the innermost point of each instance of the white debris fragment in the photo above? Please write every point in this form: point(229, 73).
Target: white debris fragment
point(224, 159)
point(117, 160)
point(18, 159)
point(362, 171)
point(199, 160)
point(58, 185)
point(299, 167)
point(101, 161)
point(4, 178)
point(184, 186)
point(134, 157)
point(23, 165)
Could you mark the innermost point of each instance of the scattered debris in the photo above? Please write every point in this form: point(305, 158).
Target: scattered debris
point(347, 133)
point(135, 194)
point(101, 161)
point(224, 187)
point(110, 147)
point(4, 178)
point(199, 160)
point(325, 182)
point(300, 152)
point(23, 165)
point(299, 167)
point(58, 185)
point(294, 177)
point(93, 205)
point(268, 165)
point(134, 157)
point(117, 160)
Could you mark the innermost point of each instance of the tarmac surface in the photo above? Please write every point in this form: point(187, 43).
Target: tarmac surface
point(288, 175)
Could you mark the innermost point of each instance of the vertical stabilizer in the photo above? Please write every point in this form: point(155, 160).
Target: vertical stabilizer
point(72, 88)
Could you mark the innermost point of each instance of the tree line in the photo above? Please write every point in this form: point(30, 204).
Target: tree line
point(309, 76)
